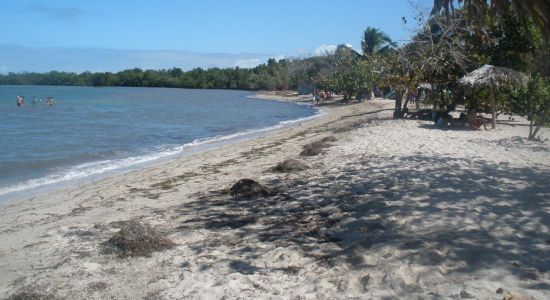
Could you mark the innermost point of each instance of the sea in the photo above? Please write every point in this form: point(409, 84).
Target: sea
point(96, 132)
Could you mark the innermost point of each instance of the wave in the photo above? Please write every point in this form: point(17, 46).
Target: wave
point(97, 168)
point(258, 96)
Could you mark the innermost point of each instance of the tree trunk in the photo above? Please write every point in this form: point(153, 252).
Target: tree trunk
point(397, 113)
point(406, 103)
point(493, 108)
point(543, 119)
point(531, 126)
point(472, 118)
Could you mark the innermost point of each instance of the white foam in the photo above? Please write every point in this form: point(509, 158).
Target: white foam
point(100, 167)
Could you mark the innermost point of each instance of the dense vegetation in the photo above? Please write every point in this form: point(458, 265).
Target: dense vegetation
point(267, 77)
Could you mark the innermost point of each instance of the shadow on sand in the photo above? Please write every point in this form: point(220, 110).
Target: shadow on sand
point(482, 214)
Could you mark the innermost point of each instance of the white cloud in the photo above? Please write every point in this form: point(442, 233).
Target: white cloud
point(324, 50)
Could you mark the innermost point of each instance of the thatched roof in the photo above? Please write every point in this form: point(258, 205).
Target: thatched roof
point(491, 76)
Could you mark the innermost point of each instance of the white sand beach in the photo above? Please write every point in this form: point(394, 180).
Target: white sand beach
point(392, 209)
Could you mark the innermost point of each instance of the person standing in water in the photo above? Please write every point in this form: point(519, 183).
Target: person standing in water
point(20, 100)
point(35, 101)
point(50, 101)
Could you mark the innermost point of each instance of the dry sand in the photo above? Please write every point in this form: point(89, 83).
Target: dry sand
point(391, 209)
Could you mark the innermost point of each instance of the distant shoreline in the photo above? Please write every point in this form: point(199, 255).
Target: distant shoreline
point(261, 77)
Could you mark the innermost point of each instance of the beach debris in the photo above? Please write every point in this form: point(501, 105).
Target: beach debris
point(248, 188)
point(499, 291)
point(313, 149)
point(30, 296)
point(136, 238)
point(291, 270)
point(289, 165)
point(328, 139)
point(316, 147)
point(97, 286)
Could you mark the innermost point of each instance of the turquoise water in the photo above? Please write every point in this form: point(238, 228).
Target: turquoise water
point(90, 131)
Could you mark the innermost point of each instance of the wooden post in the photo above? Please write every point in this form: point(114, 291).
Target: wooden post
point(493, 108)
point(472, 116)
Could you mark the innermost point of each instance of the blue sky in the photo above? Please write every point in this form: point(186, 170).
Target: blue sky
point(113, 35)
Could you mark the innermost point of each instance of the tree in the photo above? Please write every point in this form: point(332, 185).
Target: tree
point(440, 54)
point(533, 101)
point(512, 45)
point(399, 72)
point(483, 12)
point(436, 54)
point(340, 73)
point(376, 41)
point(537, 10)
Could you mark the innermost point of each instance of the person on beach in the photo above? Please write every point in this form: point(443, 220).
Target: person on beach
point(415, 98)
point(316, 97)
point(328, 95)
point(442, 117)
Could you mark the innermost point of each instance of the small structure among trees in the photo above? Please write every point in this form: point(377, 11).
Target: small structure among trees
point(493, 78)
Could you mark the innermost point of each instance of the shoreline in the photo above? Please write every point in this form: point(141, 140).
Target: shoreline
point(391, 208)
point(21, 191)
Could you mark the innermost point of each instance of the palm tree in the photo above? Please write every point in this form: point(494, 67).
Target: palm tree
point(376, 41)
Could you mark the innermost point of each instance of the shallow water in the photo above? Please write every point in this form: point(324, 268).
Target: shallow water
point(90, 131)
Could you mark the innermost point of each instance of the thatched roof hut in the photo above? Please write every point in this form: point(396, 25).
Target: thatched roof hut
point(492, 77)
